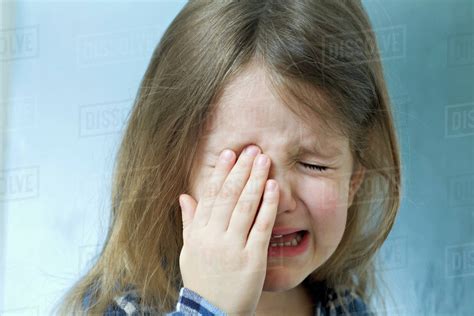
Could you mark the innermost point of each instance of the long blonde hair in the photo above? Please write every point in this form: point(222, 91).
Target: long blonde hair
point(205, 46)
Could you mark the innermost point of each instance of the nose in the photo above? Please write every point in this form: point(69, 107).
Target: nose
point(287, 201)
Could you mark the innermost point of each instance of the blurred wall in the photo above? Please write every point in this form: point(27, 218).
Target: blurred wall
point(6, 22)
point(74, 69)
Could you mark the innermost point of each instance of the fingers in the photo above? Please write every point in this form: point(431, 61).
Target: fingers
point(244, 213)
point(222, 169)
point(188, 209)
point(260, 234)
point(231, 190)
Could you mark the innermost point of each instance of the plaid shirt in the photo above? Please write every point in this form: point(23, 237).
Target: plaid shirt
point(191, 303)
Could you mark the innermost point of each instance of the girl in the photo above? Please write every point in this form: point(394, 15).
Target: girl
point(289, 218)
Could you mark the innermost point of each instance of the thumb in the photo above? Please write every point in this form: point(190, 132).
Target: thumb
point(188, 208)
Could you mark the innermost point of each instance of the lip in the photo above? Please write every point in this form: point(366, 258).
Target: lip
point(298, 250)
point(285, 230)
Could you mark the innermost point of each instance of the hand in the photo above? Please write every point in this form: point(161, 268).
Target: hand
point(224, 254)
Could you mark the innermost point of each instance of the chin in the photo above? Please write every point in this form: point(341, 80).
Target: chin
point(281, 279)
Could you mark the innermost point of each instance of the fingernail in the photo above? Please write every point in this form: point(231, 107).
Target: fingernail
point(252, 150)
point(271, 186)
point(262, 160)
point(226, 155)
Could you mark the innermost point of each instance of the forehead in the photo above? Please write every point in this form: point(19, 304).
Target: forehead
point(250, 111)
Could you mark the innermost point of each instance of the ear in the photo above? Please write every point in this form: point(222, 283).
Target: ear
point(357, 178)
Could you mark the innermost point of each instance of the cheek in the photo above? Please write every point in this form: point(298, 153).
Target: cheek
point(326, 196)
point(326, 200)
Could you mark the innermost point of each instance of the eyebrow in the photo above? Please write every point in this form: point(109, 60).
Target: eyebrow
point(314, 148)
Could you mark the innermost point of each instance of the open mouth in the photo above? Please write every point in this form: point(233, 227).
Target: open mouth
point(290, 240)
point(291, 245)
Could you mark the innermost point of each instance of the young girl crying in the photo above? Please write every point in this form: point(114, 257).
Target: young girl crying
point(259, 173)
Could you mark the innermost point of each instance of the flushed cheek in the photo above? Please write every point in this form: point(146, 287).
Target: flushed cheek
point(325, 196)
point(328, 212)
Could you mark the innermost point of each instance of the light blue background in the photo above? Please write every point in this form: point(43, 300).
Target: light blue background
point(74, 69)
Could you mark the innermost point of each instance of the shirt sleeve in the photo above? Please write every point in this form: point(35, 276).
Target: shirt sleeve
point(191, 303)
point(127, 304)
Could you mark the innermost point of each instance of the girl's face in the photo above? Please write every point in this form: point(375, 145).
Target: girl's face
point(313, 200)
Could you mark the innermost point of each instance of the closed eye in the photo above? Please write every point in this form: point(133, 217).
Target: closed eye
point(314, 167)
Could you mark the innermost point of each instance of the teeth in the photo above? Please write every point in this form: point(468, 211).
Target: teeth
point(292, 243)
